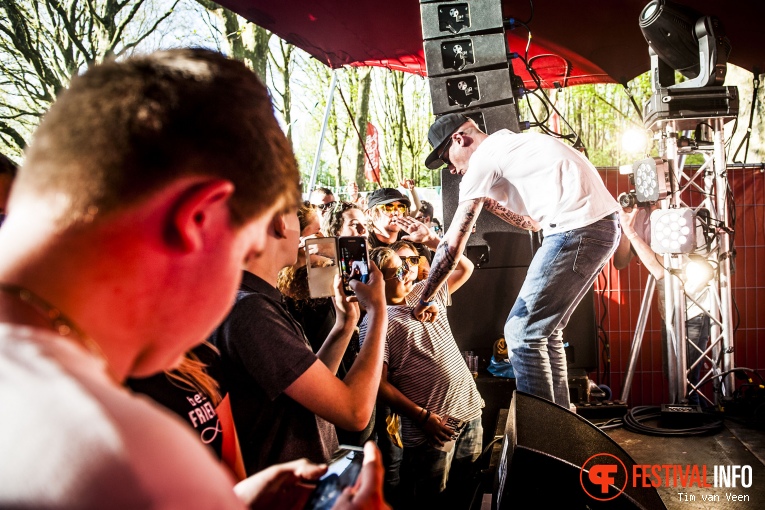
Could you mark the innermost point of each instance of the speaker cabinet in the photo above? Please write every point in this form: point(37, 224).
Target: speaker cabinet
point(466, 59)
point(447, 19)
point(541, 466)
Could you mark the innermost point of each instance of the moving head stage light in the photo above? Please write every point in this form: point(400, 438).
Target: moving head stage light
point(684, 41)
point(680, 39)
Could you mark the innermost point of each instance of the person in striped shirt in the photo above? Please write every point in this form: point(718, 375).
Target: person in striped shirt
point(425, 380)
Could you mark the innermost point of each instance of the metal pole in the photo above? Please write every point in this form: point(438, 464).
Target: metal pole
point(726, 300)
point(327, 110)
point(674, 297)
point(637, 339)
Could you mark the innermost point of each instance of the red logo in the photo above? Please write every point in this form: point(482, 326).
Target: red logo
point(603, 476)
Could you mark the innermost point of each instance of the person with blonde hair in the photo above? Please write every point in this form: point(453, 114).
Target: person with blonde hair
point(426, 381)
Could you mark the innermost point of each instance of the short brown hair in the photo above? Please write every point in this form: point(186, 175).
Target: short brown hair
point(332, 222)
point(125, 129)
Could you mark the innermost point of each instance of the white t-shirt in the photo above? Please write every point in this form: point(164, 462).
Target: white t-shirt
point(70, 437)
point(538, 176)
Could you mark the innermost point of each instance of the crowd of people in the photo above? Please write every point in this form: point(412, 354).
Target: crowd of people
point(153, 263)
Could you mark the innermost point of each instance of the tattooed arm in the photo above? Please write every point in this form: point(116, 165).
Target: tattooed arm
point(510, 217)
point(447, 255)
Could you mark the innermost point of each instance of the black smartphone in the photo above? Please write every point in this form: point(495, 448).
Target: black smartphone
point(353, 256)
point(344, 469)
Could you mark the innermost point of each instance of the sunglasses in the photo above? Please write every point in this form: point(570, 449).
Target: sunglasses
point(389, 208)
point(407, 263)
point(326, 206)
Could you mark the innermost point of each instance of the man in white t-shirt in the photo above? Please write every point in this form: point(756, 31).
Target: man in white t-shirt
point(148, 183)
point(534, 182)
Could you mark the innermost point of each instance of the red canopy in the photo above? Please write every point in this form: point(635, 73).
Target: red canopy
point(573, 42)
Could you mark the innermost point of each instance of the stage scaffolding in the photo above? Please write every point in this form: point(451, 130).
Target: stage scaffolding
point(673, 131)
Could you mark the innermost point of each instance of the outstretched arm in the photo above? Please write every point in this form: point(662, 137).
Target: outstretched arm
point(348, 403)
point(631, 240)
point(448, 253)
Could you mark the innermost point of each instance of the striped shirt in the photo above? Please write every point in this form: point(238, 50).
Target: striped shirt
point(425, 364)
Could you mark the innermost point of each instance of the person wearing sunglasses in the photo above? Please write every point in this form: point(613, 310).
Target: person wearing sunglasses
point(322, 199)
point(425, 380)
point(389, 221)
point(535, 182)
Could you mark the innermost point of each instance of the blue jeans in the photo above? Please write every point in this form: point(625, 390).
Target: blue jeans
point(425, 470)
point(560, 274)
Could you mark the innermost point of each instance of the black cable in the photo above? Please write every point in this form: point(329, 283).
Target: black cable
point(632, 100)
point(635, 418)
point(748, 135)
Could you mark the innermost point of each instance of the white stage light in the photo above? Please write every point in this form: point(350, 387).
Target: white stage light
point(672, 231)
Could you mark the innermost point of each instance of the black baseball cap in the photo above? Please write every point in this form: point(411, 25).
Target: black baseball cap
point(439, 133)
point(386, 196)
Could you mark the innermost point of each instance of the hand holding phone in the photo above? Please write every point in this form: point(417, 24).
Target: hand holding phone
point(343, 471)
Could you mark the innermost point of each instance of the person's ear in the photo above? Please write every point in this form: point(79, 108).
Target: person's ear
point(197, 210)
point(279, 225)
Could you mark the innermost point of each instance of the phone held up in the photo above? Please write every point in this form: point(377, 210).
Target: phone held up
point(344, 469)
point(321, 264)
point(353, 260)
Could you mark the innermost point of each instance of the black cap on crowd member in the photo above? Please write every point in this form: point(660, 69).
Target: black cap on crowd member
point(386, 196)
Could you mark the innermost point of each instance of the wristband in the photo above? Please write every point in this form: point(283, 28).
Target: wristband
point(427, 417)
point(426, 303)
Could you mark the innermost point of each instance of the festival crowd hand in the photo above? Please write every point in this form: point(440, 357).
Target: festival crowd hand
point(406, 184)
point(437, 432)
point(368, 491)
point(347, 310)
point(417, 231)
point(280, 486)
point(425, 313)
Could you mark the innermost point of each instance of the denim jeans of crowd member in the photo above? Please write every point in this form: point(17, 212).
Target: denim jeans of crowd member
point(561, 272)
point(431, 478)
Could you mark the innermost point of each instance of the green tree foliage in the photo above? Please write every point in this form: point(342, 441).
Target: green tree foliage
point(43, 43)
point(402, 115)
point(246, 41)
point(597, 113)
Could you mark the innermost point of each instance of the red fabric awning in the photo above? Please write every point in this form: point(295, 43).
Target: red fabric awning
point(591, 41)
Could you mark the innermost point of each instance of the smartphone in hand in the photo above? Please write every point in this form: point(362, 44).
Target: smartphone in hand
point(321, 264)
point(353, 257)
point(344, 469)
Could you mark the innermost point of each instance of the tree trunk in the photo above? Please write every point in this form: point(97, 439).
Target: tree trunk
point(362, 117)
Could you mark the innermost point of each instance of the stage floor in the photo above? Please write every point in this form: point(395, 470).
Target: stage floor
point(734, 445)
